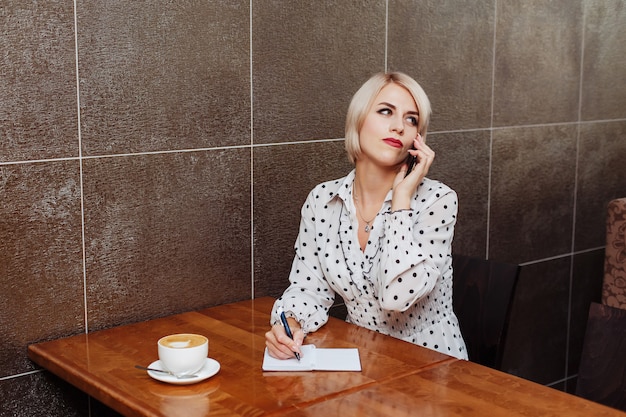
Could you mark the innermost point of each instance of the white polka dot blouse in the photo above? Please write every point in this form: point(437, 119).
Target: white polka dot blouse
point(400, 285)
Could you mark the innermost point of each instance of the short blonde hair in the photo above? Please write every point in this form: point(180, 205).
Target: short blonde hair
point(364, 98)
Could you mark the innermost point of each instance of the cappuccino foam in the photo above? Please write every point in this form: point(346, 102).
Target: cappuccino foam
point(182, 341)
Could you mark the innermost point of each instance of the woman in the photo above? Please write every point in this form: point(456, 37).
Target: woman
point(379, 238)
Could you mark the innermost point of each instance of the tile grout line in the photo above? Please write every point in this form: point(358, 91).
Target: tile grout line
point(560, 256)
point(21, 374)
point(490, 164)
point(80, 166)
point(575, 199)
point(252, 288)
point(559, 381)
point(261, 145)
point(386, 32)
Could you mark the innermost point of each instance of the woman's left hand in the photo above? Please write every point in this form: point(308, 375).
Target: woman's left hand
point(403, 187)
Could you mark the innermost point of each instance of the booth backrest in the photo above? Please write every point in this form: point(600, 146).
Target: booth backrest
point(614, 283)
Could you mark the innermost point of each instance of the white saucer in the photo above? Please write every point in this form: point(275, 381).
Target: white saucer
point(210, 368)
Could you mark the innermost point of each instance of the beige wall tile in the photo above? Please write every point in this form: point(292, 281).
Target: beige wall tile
point(41, 277)
point(604, 71)
point(599, 183)
point(308, 61)
point(532, 194)
point(37, 81)
point(537, 63)
point(166, 233)
point(448, 48)
point(283, 177)
point(159, 76)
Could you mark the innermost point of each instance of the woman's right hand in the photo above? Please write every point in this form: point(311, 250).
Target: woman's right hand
point(279, 345)
point(405, 186)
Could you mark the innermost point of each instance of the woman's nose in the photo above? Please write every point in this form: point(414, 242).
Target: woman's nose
point(397, 125)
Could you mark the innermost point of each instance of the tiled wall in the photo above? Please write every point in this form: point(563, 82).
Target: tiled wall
point(154, 155)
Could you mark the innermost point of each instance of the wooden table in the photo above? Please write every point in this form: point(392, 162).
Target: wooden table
point(102, 364)
point(457, 388)
point(397, 378)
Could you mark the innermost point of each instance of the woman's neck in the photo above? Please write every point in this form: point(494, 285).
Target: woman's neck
point(371, 184)
point(369, 190)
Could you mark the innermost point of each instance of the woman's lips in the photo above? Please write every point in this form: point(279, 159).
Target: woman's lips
point(393, 142)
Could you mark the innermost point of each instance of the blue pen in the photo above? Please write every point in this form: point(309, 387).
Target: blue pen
point(288, 330)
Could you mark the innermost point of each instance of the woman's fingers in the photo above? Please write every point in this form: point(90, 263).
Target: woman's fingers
point(404, 186)
point(425, 157)
point(282, 346)
point(275, 348)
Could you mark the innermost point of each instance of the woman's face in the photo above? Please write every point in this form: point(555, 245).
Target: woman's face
point(390, 126)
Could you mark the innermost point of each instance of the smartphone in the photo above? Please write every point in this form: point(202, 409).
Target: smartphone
point(411, 161)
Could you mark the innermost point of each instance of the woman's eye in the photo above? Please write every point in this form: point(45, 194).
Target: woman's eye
point(412, 120)
point(385, 111)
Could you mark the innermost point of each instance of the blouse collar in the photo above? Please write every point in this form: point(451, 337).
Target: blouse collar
point(344, 189)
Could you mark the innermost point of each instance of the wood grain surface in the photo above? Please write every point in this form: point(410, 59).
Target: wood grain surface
point(397, 378)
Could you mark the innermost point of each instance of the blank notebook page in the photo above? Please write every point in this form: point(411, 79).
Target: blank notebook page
point(316, 359)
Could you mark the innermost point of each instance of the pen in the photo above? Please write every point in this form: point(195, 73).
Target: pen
point(288, 330)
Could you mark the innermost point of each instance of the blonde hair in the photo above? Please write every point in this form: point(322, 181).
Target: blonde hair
point(364, 98)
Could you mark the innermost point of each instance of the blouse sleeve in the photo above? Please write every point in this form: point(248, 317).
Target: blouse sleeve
point(309, 296)
point(415, 251)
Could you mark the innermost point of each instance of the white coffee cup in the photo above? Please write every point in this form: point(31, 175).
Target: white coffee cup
point(184, 353)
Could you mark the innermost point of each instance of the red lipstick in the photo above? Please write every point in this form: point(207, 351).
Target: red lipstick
point(393, 142)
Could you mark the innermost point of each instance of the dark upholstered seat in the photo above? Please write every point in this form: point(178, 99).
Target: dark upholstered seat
point(614, 285)
point(482, 295)
point(602, 370)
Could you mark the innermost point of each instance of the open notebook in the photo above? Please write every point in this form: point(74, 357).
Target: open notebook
point(316, 359)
